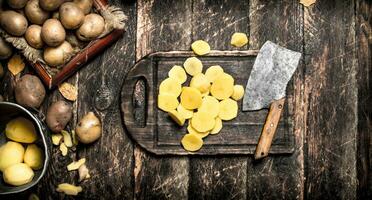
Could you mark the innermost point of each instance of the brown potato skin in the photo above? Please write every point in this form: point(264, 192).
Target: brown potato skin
point(35, 14)
point(53, 33)
point(29, 91)
point(33, 36)
point(84, 5)
point(92, 27)
point(50, 5)
point(58, 116)
point(56, 56)
point(5, 49)
point(17, 4)
point(71, 16)
point(89, 129)
point(14, 23)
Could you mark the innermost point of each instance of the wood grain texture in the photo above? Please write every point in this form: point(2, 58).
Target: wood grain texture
point(332, 92)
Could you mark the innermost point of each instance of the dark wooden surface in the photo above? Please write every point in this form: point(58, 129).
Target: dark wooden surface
point(331, 92)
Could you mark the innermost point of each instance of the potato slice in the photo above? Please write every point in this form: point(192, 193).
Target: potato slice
point(239, 39)
point(202, 122)
point(210, 105)
point(228, 109)
point(193, 66)
point(178, 73)
point(191, 130)
point(200, 47)
point(170, 86)
point(200, 82)
point(238, 92)
point(177, 117)
point(167, 102)
point(185, 113)
point(213, 72)
point(217, 127)
point(191, 98)
point(223, 87)
point(191, 142)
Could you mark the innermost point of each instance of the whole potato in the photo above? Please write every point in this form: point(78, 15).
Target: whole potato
point(13, 23)
point(35, 14)
point(88, 129)
point(84, 5)
point(50, 5)
point(21, 130)
point(18, 174)
point(58, 115)
point(5, 49)
point(53, 33)
point(29, 91)
point(34, 157)
point(91, 28)
point(33, 36)
point(10, 153)
point(56, 56)
point(71, 16)
point(17, 4)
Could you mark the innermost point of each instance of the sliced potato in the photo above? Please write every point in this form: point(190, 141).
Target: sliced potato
point(238, 92)
point(177, 117)
point(178, 73)
point(191, 98)
point(200, 82)
point(217, 127)
point(213, 72)
point(191, 142)
point(228, 109)
point(210, 105)
point(223, 87)
point(185, 113)
point(202, 122)
point(193, 66)
point(170, 86)
point(200, 47)
point(167, 102)
point(191, 130)
point(239, 39)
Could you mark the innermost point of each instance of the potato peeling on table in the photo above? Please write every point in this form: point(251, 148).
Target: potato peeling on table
point(56, 138)
point(69, 189)
point(76, 164)
point(83, 172)
point(63, 149)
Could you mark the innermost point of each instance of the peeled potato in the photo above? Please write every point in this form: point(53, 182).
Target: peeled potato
point(200, 47)
point(202, 122)
point(217, 127)
point(185, 113)
point(21, 130)
point(178, 73)
point(200, 82)
point(210, 105)
point(223, 87)
point(238, 92)
point(177, 117)
point(191, 142)
point(191, 130)
point(167, 102)
point(11, 153)
point(170, 86)
point(228, 109)
point(193, 66)
point(18, 174)
point(239, 39)
point(213, 72)
point(191, 98)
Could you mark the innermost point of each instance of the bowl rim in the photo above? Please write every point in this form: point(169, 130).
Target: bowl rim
point(38, 122)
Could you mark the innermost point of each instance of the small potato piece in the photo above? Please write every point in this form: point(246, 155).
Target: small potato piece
point(21, 130)
point(191, 98)
point(213, 72)
point(33, 36)
point(185, 113)
point(200, 82)
point(210, 105)
point(239, 39)
point(191, 130)
point(56, 56)
point(67, 138)
point(35, 14)
point(76, 164)
point(202, 122)
point(58, 115)
point(69, 189)
point(71, 15)
point(228, 109)
point(53, 33)
point(223, 87)
point(29, 91)
point(217, 127)
point(177, 117)
point(170, 86)
point(191, 142)
point(89, 129)
point(34, 157)
point(10, 153)
point(200, 47)
point(5, 50)
point(92, 27)
point(63, 149)
point(238, 92)
point(178, 73)
point(56, 138)
point(84, 5)
point(18, 174)
point(167, 102)
point(193, 66)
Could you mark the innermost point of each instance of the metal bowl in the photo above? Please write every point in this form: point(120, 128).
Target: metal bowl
point(9, 111)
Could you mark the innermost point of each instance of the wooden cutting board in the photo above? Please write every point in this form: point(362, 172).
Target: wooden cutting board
point(153, 130)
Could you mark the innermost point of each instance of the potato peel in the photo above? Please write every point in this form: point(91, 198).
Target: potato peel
point(68, 91)
point(76, 164)
point(69, 189)
point(16, 64)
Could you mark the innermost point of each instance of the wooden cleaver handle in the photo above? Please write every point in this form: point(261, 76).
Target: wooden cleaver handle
point(268, 132)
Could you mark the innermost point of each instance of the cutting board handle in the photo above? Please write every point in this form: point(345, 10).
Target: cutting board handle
point(269, 129)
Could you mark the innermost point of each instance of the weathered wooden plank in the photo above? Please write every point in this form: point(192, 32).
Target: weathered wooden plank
point(162, 25)
point(332, 92)
point(222, 177)
point(279, 177)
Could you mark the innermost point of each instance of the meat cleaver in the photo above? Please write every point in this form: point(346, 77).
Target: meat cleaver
point(266, 88)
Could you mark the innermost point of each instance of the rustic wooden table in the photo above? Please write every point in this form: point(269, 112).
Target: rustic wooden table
point(333, 105)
